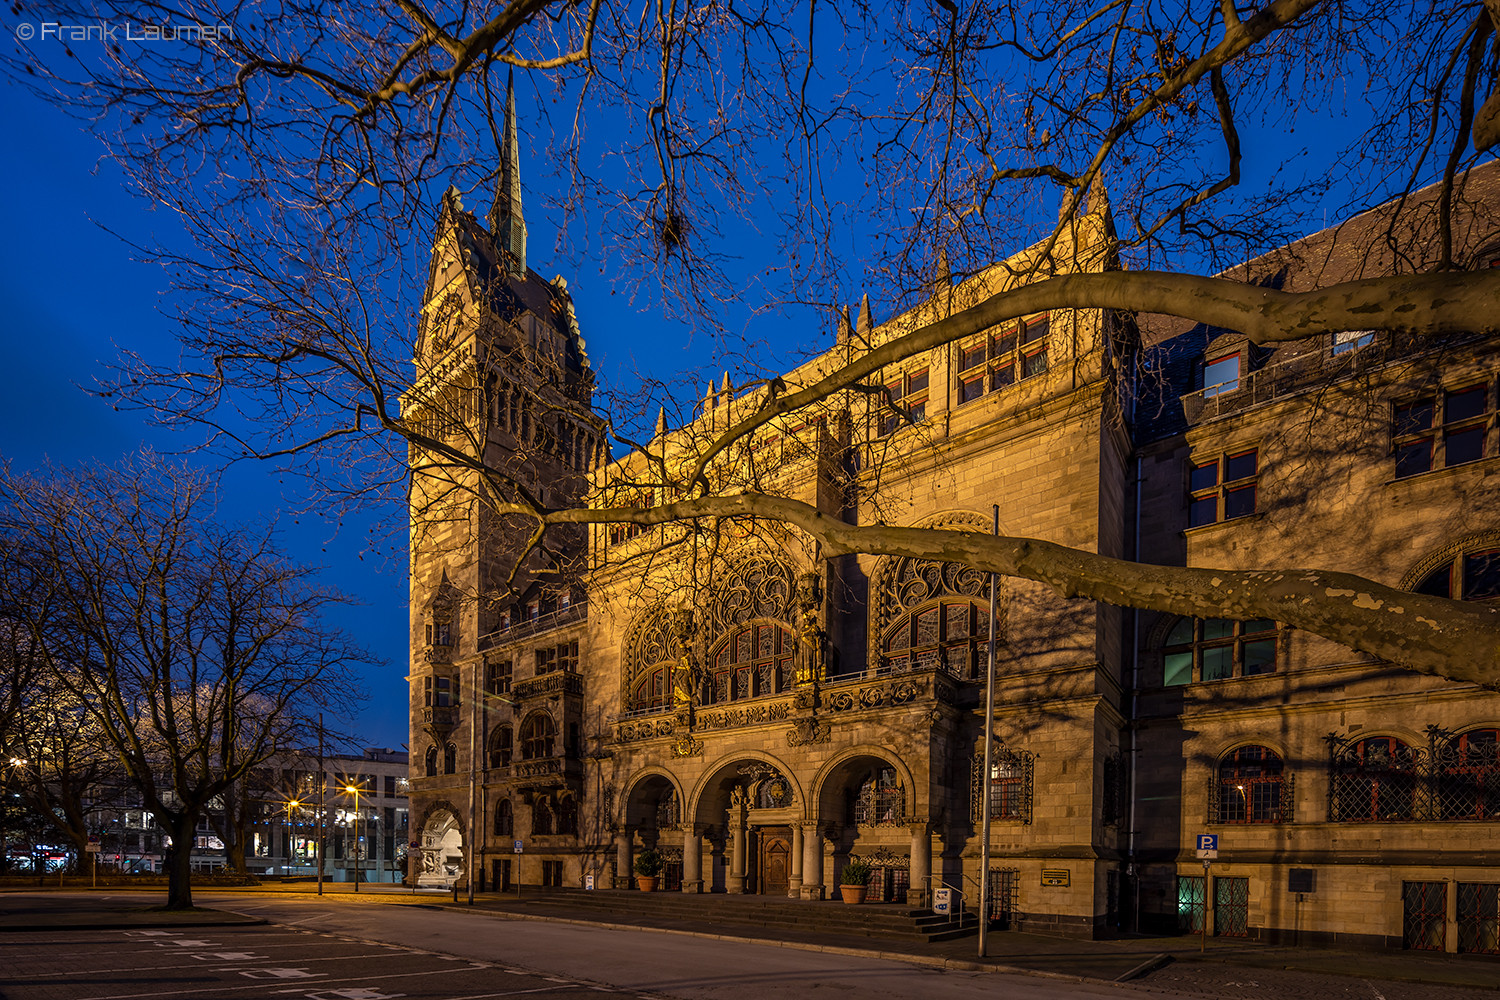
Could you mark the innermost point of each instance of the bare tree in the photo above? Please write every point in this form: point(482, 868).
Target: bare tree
point(306, 151)
point(196, 651)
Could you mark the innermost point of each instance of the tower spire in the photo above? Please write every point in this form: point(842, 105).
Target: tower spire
point(506, 222)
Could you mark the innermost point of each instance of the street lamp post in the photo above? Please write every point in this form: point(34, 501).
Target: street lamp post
point(354, 790)
point(291, 837)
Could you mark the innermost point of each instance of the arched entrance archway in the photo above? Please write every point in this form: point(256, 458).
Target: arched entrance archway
point(867, 794)
point(442, 850)
point(653, 816)
point(751, 810)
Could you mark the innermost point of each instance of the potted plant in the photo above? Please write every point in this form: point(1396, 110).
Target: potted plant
point(854, 880)
point(648, 866)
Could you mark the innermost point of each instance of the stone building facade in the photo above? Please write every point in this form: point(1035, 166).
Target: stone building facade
point(757, 713)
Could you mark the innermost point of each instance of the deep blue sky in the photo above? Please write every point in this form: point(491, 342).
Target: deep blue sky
point(73, 295)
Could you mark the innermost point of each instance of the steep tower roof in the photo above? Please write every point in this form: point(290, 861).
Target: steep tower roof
point(506, 222)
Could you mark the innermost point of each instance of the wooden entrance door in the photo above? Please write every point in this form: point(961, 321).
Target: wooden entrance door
point(775, 860)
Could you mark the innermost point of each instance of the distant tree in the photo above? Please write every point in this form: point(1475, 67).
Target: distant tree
point(196, 651)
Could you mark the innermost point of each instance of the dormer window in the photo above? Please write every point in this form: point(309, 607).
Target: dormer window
point(1345, 341)
point(1221, 375)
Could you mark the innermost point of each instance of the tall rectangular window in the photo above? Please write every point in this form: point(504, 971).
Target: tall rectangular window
point(909, 392)
point(996, 360)
point(1223, 488)
point(1441, 431)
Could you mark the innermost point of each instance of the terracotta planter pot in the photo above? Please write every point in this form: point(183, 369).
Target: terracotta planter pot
point(853, 893)
point(646, 883)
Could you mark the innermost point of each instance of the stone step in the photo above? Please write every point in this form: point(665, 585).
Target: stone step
point(878, 920)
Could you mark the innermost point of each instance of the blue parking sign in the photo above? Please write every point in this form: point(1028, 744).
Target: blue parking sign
point(1208, 845)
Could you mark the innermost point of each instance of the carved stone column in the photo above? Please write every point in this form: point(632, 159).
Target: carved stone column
point(794, 880)
point(921, 864)
point(623, 875)
point(736, 878)
point(812, 861)
point(692, 857)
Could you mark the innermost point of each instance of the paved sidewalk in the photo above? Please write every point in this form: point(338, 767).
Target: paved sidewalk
point(1112, 960)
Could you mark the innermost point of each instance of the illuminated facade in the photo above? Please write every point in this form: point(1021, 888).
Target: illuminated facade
point(757, 713)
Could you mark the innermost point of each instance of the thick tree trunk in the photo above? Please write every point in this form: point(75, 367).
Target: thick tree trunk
point(179, 864)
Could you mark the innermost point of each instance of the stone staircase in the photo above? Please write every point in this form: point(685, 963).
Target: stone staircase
point(887, 921)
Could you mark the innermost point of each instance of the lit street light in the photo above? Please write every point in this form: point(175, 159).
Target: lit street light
point(291, 836)
point(354, 790)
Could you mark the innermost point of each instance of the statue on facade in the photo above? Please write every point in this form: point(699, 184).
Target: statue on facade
point(685, 673)
point(813, 645)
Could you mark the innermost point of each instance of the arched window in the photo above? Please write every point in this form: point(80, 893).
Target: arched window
point(538, 737)
point(450, 758)
point(432, 761)
point(754, 661)
point(1473, 576)
point(541, 815)
point(950, 634)
point(502, 744)
point(1468, 780)
point(879, 800)
point(1214, 649)
point(567, 815)
point(1374, 779)
point(505, 820)
point(1250, 786)
point(652, 688)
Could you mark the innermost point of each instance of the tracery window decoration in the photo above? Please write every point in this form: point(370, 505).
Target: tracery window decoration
point(1250, 786)
point(450, 758)
point(502, 746)
point(901, 586)
point(952, 635)
point(538, 737)
point(431, 761)
point(505, 819)
point(749, 590)
point(1011, 773)
point(754, 661)
point(879, 801)
point(650, 658)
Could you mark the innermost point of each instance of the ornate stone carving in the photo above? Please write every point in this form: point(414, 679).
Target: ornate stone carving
point(807, 732)
point(747, 590)
point(900, 584)
point(643, 729)
point(686, 746)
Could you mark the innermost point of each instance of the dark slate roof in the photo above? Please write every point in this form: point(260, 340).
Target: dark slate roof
point(1396, 237)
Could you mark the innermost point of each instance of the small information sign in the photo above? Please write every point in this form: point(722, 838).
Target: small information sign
point(1057, 876)
point(1208, 846)
point(588, 881)
point(92, 848)
point(942, 902)
point(518, 847)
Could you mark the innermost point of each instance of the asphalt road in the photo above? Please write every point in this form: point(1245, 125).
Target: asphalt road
point(375, 947)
